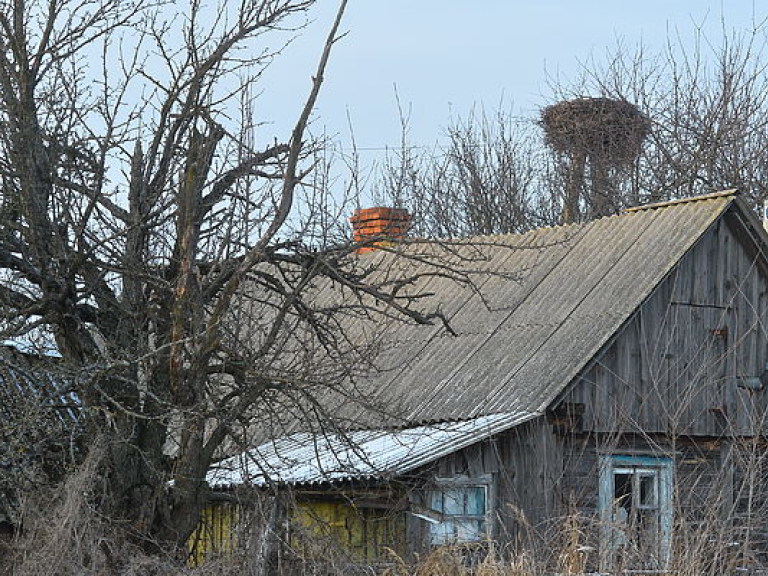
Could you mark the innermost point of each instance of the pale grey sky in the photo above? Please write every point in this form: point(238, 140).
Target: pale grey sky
point(445, 56)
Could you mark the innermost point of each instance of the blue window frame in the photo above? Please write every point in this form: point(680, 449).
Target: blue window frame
point(463, 506)
point(635, 503)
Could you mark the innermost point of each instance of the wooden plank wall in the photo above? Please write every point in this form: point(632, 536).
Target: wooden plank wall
point(542, 477)
point(217, 533)
point(749, 514)
point(328, 530)
point(674, 368)
point(525, 465)
point(528, 481)
point(702, 481)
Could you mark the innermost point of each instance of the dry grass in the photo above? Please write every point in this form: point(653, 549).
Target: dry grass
point(453, 561)
point(64, 536)
point(74, 542)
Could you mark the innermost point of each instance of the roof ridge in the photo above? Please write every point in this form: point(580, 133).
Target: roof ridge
point(702, 197)
point(492, 239)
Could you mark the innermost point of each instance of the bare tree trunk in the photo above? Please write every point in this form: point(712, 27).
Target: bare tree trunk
point(574, 187)
point(601, 199)
point(267, 538)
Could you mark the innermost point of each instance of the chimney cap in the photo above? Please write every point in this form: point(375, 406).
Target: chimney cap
point(379, 222)
point(380, 213)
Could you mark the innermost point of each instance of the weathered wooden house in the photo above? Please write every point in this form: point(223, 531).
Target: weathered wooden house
point(605, 384)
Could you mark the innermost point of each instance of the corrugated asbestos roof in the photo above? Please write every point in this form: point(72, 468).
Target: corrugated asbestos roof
point(28, 380)
point(540, 306)
point(305, 458)
point(549, 301)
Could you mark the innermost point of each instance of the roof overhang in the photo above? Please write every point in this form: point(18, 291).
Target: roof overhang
point(305, 458)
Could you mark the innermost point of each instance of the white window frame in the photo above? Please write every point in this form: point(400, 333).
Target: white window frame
point(456, 483)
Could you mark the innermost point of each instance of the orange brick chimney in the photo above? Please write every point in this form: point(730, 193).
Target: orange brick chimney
point(383, 224)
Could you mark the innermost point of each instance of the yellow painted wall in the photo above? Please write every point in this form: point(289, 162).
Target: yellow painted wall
point(317, 528)
point(216, 534)
point(362, 534)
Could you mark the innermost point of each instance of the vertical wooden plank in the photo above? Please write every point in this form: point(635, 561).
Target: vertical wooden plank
point(666, 511)
point(726, 479)
point(474, 459)
point(604, 507)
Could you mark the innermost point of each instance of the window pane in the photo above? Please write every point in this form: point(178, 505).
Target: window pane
point(647, 487)
point(475, 501)
point(635, 500)
point(469, 530)
point(436, 500)
point(622, 485)
point(442, 533)
point(453, 501)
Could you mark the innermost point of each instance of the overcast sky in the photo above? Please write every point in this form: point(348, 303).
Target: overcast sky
point(445, 56)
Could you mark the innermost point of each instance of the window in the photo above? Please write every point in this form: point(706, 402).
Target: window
point(463, 507)
point(636, 512)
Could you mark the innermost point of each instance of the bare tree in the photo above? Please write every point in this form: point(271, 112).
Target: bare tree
point(483, 181)
point(137, 214)
point(707, 106)
point(654, 126)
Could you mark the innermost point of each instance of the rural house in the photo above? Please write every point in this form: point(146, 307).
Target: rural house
point(602, 385)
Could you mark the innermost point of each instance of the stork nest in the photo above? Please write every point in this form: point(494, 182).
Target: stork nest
point(600, 128)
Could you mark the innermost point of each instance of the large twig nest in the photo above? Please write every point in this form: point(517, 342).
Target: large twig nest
point(600, 128)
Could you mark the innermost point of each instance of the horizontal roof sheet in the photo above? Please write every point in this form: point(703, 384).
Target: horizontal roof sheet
point(305, 458)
